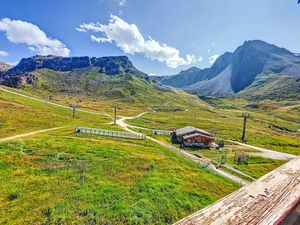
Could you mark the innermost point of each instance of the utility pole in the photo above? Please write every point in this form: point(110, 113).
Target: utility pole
point(74, 110)
point(245, 115)
point(115, 117)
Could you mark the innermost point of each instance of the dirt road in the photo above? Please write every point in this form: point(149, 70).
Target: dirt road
point(55, 104)
point(31, 133)
point(266, 153)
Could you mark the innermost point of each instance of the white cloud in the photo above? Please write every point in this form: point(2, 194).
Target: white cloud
point(12, 63)
point(130, 40)
point(21, 32)
point(3, 53)
point(212, 59)
point(121, 2)
point(152, 74)
point(200, 59)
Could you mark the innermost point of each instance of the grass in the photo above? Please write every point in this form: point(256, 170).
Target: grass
point(62, 177)
point(22, 115)
point(257, 166)
point(280, 135)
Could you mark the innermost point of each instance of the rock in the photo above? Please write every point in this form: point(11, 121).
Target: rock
point(112, 65)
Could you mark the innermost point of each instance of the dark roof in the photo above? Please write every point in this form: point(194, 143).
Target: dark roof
point(190, 129)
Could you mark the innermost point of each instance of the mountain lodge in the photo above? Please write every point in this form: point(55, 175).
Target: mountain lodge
point(193, 137)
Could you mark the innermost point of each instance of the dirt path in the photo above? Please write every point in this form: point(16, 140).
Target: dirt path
point(55, 104)
point(266, 153)
point(202, 161)
point(31, 133)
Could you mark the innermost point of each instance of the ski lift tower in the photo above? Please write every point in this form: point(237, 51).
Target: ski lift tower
point(115, 117)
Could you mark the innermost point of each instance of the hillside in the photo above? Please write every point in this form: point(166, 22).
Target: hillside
point(83, 77)
point(234, 72)
point(60, 177)
point(273, 86)
point(184, 78)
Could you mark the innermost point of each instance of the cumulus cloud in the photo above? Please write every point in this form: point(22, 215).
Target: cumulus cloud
point(21, 32)
point(3, 53)
point(212, 59)
point(130, 40)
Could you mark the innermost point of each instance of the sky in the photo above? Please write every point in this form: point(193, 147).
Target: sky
point(160, 37)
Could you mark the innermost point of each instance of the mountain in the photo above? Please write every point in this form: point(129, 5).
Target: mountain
point(234, 72)
point(105, 77)
point(23, 73)
point(184, 78)
point(112, 65)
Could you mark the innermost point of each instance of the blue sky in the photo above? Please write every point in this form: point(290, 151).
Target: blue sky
point(159, 36)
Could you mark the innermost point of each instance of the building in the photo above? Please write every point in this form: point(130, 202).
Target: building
point(193, 137)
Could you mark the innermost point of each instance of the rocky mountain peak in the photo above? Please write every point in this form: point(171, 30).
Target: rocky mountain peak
point(112, 65)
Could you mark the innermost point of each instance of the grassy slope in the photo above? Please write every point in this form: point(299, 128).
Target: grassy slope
point(21, 115)
point(226, 123)
point(271, 86)
point(174, 109)
point(95, 91)
point(61, 179)
point(257, 166)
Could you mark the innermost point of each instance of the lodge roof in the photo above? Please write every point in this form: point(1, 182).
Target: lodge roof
point(196, 135)
point(190, 129)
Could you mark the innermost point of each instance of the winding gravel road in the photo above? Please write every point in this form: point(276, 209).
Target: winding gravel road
point(266, 153)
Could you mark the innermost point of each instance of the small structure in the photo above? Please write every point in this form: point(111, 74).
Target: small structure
point(161, 132)
point(193, 137)
point(110, 133)
point(241, 157)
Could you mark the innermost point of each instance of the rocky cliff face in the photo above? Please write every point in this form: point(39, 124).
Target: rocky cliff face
point(24, 71)
point(109, 65)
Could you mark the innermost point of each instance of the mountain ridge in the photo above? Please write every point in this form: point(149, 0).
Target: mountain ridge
point(110, 65)
point(246, 62)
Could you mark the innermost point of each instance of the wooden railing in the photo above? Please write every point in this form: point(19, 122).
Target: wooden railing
point(162, 132)
point(110, 133)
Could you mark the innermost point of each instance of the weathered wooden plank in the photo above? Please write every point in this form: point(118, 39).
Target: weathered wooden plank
point(263, 202)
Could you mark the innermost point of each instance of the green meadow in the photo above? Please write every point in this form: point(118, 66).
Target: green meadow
point(263, 129)
point(62, 177)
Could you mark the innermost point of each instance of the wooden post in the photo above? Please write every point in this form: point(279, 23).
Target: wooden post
point(115, 117)
point(74, 110)
point(245, 115)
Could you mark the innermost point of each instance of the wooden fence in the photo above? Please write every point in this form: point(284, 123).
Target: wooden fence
point(162, 132)
point(110, 133)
